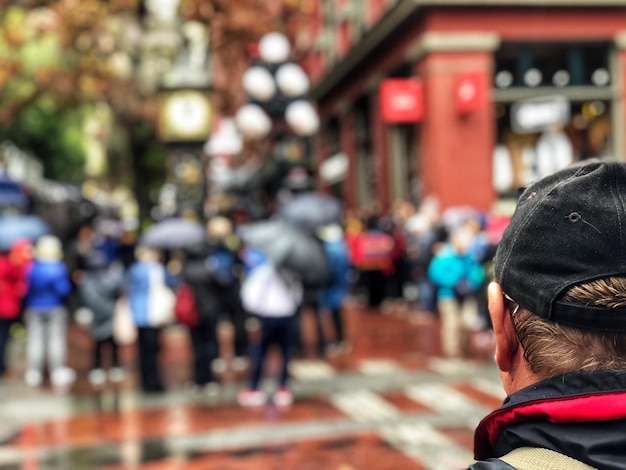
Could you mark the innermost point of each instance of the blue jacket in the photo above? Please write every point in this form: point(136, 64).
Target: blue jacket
point(448, 268)
point(48, 285)
point(138, 289)
point(338, 256)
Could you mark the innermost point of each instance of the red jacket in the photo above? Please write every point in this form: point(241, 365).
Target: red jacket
point(12, 287)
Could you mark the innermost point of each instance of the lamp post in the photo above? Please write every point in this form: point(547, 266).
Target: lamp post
point(277, 108)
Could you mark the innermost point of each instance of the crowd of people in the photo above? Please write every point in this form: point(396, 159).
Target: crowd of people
point(125, 292)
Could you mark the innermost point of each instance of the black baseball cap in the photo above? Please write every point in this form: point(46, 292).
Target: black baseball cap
point(568, 228)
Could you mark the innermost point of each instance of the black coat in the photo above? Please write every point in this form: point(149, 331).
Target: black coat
point(579, 414)
point(214, 297)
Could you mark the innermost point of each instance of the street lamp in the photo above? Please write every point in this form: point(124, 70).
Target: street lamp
point(277, 108)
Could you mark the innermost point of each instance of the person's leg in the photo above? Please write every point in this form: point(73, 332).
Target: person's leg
point(148, 343)
point(376, 287)
point(238, 318)
point(286, 333)
point(450, 324)
point(470, 323)
point(268, 334)
point(5, 331)
point(115, 353)
point(336, 315)
point(60, 374)
point(35, 342)
point(97, 354)
point(205, 351)
point(57, 339)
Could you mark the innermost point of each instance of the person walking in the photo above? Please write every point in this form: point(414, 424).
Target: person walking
point(273, 295)
point(203, 333)
point(457, 275)
point(225, 269)
point(558, 308)
point(100, 287)
point(46, 315)
point(14, 267)
point(146, 277)
point(333, 295)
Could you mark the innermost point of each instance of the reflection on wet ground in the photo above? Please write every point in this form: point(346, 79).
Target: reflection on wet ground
point(390, 402)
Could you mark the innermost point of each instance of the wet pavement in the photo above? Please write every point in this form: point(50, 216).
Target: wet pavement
point(388, 401)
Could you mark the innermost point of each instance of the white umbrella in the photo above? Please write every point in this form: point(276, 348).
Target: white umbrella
point(173, 233)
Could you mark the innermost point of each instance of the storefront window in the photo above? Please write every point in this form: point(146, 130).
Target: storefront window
point(553, 108)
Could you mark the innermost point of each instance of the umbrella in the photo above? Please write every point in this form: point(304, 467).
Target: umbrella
point(289, 247)
point(13, 194)
point(173, 234)
point(311, 210)
point(20, 227)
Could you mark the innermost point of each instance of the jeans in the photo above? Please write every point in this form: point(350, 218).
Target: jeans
point(46, 335)
point(274, 330)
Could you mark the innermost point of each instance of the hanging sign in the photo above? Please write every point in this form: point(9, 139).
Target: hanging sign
point(402, 100)
point(470, 92)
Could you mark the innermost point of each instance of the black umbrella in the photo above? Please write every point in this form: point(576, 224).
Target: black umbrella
point(311, 210)
point(173, 234)
point(289, 247)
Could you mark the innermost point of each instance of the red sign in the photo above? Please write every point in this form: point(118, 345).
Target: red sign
point(402, 100)
point(470, 92)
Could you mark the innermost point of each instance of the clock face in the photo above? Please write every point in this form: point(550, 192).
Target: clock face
point(186, 115)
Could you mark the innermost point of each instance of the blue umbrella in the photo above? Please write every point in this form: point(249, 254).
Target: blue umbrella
point(19, 227)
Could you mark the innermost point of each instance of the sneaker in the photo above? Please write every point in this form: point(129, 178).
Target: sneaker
point(211, 390)
point(33, 377)
point(97, 377)
point(117, 374)
point(283, 397)
point(240, 363)
point(250, 397)
point(219, 365)
point(62, 377)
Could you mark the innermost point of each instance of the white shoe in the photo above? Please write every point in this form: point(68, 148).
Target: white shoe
point(117, 374)
point(33, 377)
point(251, 398)
point(212, 389)
point(219, 365)
point(239, 363)
point(97, 377)
point(62, 377)
point(283, 397)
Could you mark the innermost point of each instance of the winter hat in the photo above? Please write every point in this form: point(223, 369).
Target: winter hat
point(568, 228)
point(48, 248)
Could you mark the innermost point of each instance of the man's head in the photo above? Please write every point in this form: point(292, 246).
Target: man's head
point(568, 230)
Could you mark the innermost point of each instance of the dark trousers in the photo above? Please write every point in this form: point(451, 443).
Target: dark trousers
point(281, 331)
point(148, 342)
point(205, 349)
point(5, 333)
point(336, 314)
point(375, 282)
point(237, 316)
point(100, 347)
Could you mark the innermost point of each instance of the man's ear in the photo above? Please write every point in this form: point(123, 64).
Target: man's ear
point(506, 339)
